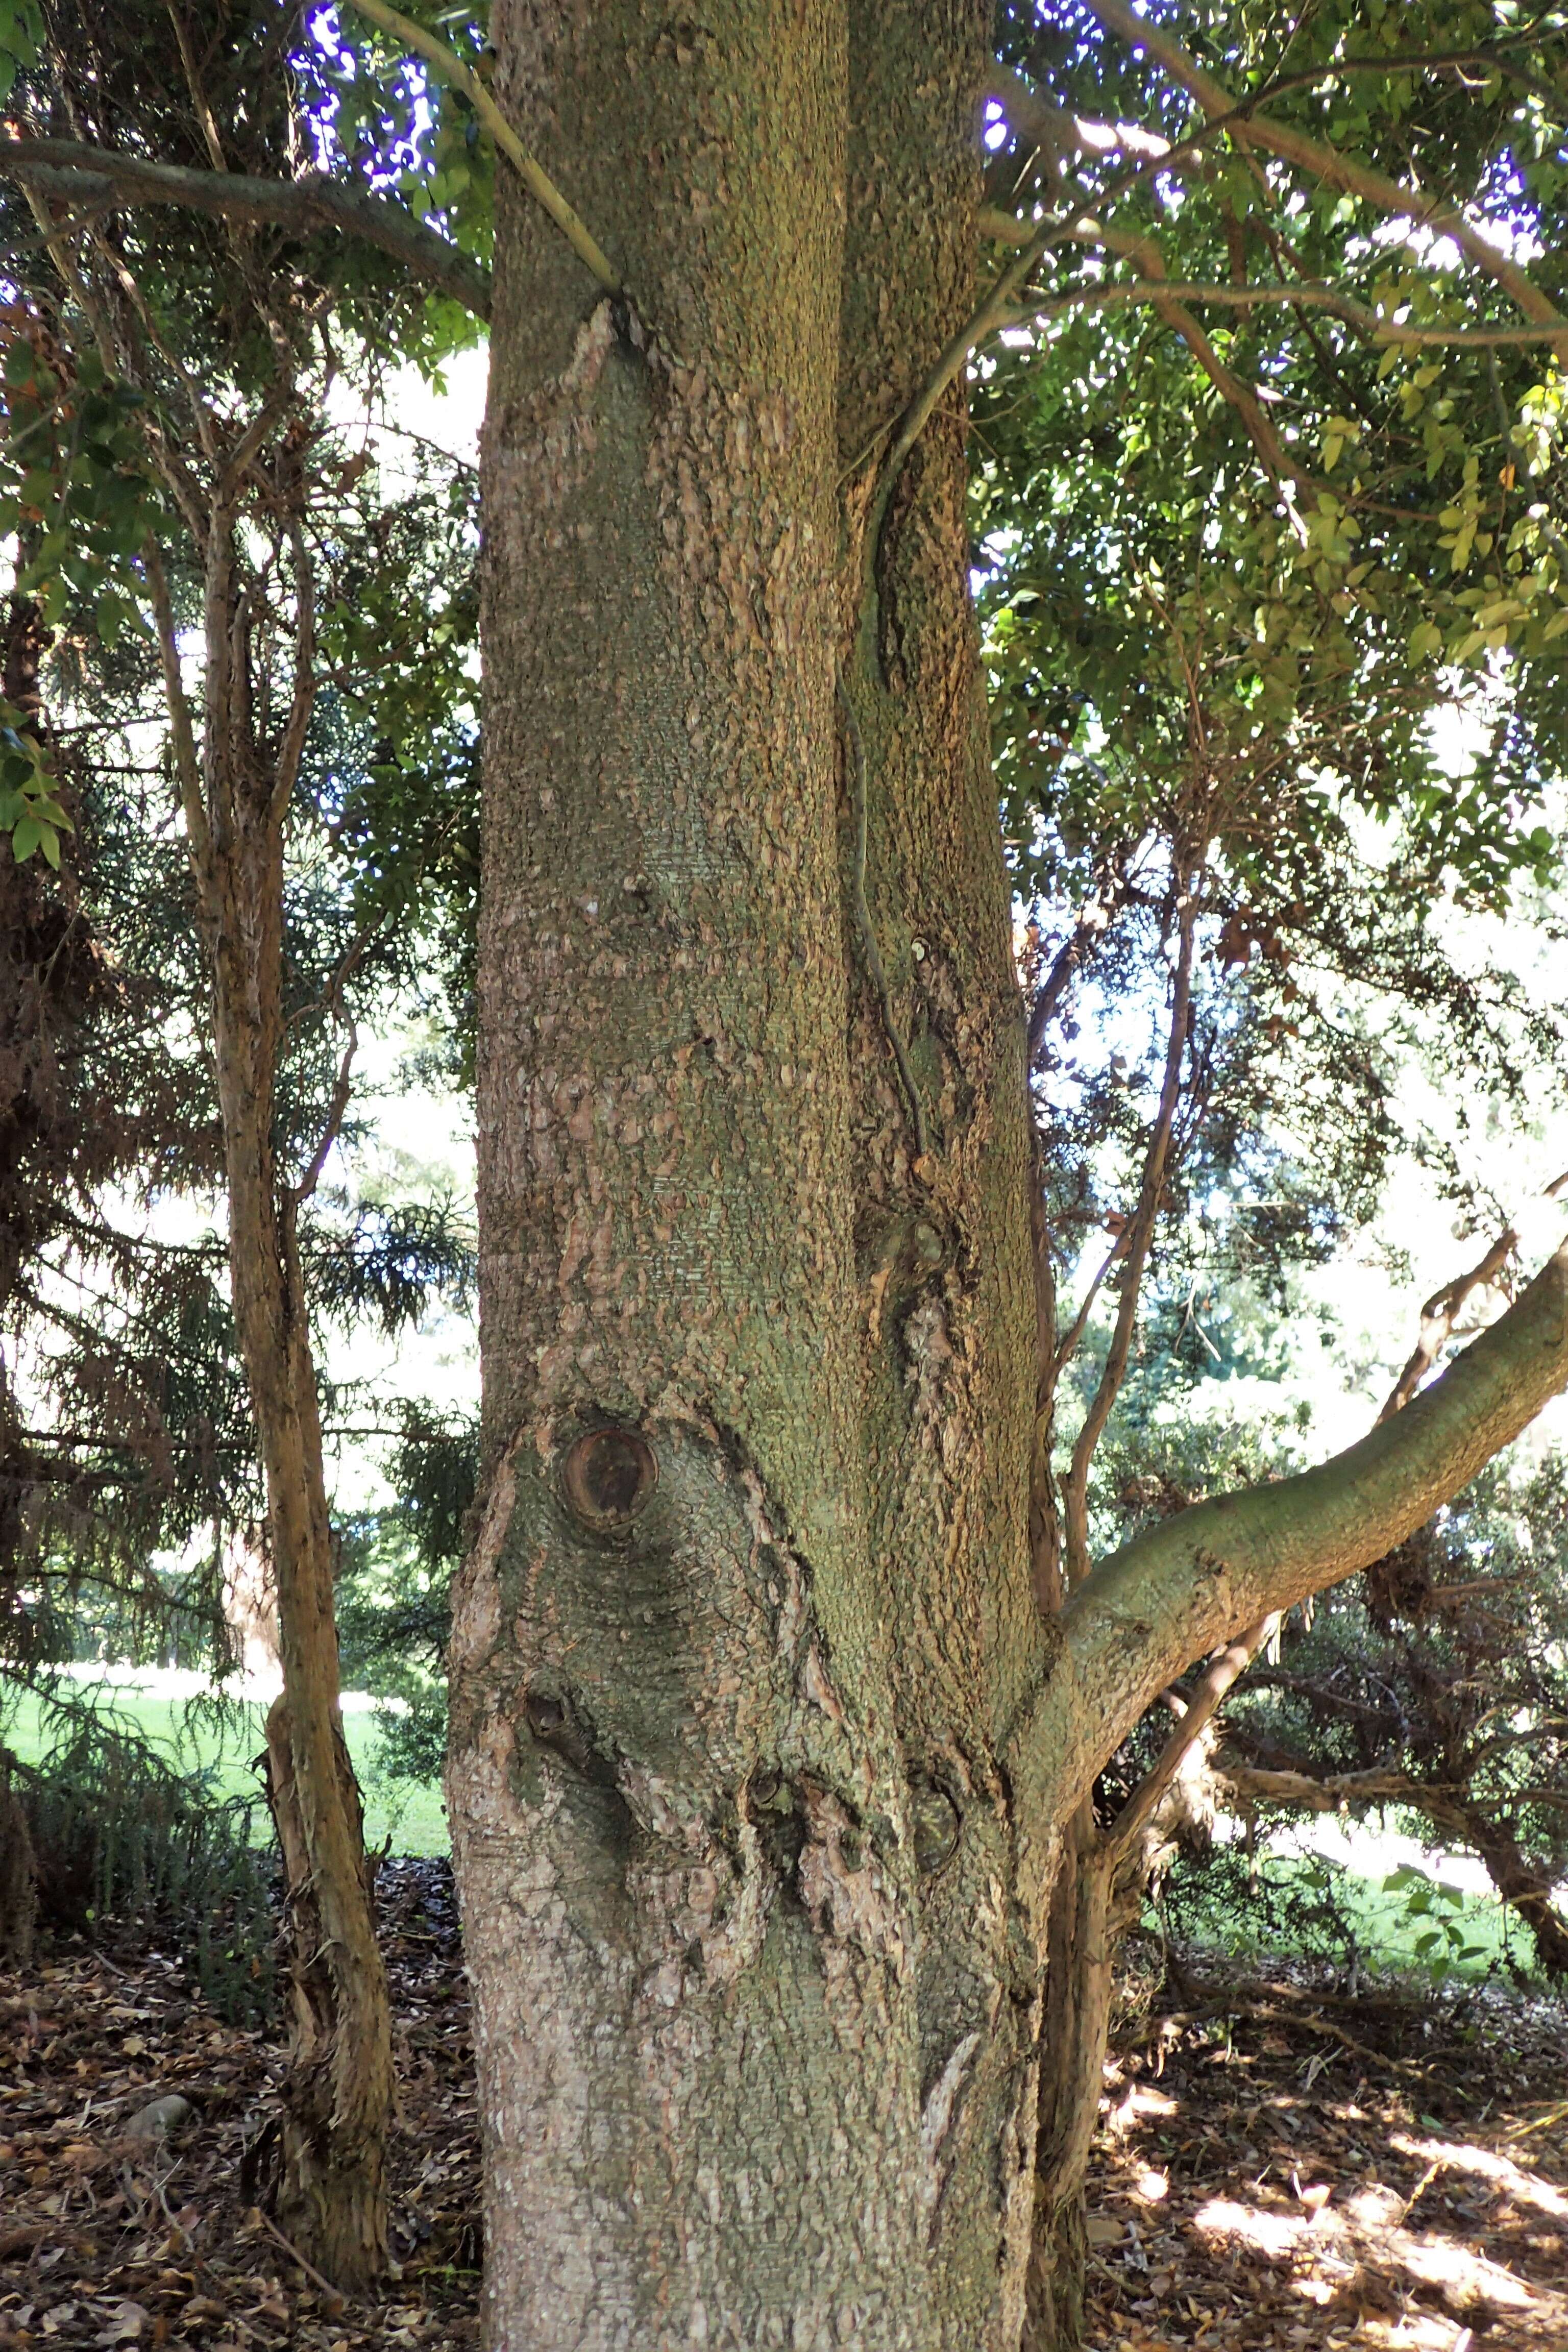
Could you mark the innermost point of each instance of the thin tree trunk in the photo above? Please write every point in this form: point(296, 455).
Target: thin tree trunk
point(331, 2185)
point(18, 1872)
point(1078, 1985)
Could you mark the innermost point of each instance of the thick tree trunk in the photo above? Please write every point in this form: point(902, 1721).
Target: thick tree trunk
point(331, 2186)
point(756, 1957)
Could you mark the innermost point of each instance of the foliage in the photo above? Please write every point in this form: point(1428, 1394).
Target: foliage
point(120, 1838)
point(1443, 1942)
point(1272, 611)
point(393, 1605)
point(1318, 521)
point(139, 1435)
point(1431, 1693)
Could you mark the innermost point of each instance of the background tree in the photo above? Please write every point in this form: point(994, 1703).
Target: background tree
point(225, 496)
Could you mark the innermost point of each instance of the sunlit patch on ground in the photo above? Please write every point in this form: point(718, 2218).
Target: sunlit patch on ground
point(1278, 2169)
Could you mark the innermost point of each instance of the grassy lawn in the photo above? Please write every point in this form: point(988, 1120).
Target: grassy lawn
point(1407, 1927)
point(1422, 1923)
point(193, 1734)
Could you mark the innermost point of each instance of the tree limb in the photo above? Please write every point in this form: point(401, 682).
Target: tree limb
point(1442, 1311)
point(1223, 1670)
point(1308, 296)
point(1057, 131)
point(1183, 1587)
point(1327, 164)
point(1138, 1240)
point(99, 175)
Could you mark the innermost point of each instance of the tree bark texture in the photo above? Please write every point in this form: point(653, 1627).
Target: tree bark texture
point(761, 1741)
point(726, 1761)
point(332, 2187)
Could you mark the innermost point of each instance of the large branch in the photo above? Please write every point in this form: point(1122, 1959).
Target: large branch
point(97, 177)
point(1183, 1587)
point(1328, 164)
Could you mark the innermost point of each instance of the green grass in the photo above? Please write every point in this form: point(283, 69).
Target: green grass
point(225, 1739)
point(1465, 1935)
point(1418, 1925)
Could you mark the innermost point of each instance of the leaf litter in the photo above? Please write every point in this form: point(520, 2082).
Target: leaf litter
point(1279, 2167)
point(123, 2226)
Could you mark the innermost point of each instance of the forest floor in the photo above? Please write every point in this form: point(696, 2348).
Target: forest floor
point(1281, 2165)
point(108, 2240)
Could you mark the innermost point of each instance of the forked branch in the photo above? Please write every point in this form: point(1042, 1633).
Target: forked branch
point(1444, 1309)
point(1330, 166)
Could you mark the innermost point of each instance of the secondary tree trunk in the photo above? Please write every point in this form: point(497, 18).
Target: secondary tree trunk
point(1078, 2013)
point(332, 2184)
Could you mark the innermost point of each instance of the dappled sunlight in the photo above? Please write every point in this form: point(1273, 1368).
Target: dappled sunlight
point(1262, 2185)
point(1486, 2163)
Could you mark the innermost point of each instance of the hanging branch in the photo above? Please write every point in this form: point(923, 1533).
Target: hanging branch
point(101, 179)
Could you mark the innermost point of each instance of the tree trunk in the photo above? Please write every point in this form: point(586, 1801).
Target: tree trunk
point(18, 1872)
point(756, 1954)
point(1077, 2016)
point(331, 2186)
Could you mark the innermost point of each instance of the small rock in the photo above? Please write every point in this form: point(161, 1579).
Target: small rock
point(159, 2119)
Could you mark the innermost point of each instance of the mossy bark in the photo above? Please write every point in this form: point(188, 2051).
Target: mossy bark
point(755, 1948)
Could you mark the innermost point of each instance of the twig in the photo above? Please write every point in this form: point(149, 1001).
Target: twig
point(1124, 292)
point(1557, 2115)
point(300, 1192)
point(1139, 1240)
point(292, 2251)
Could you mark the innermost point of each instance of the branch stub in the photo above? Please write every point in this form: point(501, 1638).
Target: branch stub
point(609, 1478)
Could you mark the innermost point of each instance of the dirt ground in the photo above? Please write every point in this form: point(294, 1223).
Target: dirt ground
point(109, 2240)
point(1281, 2165)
